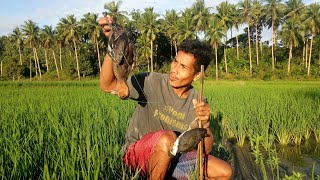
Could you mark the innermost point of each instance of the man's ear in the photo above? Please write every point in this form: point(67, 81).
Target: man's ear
point(197, 76)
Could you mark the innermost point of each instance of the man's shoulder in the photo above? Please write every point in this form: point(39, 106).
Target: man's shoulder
point(156, 74)
point(153, 75)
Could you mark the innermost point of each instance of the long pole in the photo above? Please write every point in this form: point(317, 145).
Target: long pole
point(200, 145)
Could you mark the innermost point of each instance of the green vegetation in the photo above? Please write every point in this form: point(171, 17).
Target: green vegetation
point(73, 49)
point(61, 131)
point(72, 130)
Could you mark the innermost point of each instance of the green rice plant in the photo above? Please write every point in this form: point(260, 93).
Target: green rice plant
point(69, 130)
point(259, 159)
point(273, 162)
point(294, 176)
point(61, 132)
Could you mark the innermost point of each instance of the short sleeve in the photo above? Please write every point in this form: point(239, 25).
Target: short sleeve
point(136, 84)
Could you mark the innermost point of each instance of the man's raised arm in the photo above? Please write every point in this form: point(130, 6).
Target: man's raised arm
point(108, 81)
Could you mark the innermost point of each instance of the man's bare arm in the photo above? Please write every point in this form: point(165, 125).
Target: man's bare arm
point(108, 80)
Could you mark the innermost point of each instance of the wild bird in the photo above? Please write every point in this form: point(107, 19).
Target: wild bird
point(121, 52)
point(187, 141)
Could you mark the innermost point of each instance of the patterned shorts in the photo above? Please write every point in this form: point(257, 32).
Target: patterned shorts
point(138, 154)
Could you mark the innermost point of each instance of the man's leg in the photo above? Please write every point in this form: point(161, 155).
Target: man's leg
point(150, 154)
point(160, 160)
point(218, 169)
point(183, 167)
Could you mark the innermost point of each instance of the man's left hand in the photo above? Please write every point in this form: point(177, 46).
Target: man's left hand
point(202, 112)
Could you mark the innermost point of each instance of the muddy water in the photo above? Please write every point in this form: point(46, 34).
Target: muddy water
point(304, 158)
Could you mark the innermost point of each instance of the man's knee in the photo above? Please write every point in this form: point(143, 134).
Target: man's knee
point(218, 168)
point(166, 141)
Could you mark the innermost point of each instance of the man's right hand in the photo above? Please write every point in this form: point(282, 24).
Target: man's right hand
point(105, 23)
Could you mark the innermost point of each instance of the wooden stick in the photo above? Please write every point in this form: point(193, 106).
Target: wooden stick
point(200, 145)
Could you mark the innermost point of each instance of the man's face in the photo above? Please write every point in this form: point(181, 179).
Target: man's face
point(182, 71)
point(105, 23)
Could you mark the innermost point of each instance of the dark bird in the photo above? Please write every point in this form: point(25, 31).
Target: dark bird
point(187, 141)
point(121, 52)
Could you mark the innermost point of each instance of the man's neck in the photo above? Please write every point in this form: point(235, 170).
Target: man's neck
point(183, 92)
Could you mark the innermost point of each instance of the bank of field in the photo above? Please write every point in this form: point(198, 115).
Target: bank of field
point(75, 131)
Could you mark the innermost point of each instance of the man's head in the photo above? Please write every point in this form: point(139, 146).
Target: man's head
point(202, 52)
point(185, 67)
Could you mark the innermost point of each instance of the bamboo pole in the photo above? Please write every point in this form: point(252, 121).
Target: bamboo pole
point(200, 145)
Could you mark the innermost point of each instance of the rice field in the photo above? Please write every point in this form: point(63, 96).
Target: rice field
point(72, 130)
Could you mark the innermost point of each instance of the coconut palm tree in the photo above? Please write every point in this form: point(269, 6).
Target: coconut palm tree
point(294, 9)
point(150, 28)
point(169, 25)
point(113, 9)
point(185, 28)
point(257, 21)
point(201, 15)
point(236, 21)
point(224, 16)
point(273, 10)
point(47, 38)
point(290, 36)
point(93, 30)
point(143, 52)
point(31, 33)
point(70, 32)
point(214, 35)
point(312, 20)
point(17, 37)
point(60, 42)
point(245, 9)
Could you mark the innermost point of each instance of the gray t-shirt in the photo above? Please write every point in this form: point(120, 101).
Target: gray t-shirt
point(159, 107)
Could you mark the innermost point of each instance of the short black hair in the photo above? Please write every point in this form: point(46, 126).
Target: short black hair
point(202, 52)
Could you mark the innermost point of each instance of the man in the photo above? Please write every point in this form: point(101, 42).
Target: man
point(166, 105)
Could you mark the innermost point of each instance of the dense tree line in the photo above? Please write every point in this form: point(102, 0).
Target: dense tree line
point(74, 49)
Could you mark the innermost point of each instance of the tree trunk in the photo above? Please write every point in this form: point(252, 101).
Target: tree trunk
point(37, 62)
point(250, 60)
point(303, 49)
point(151, 56)
point(309, 63)
point(306, 59)
point(56, 64)
point(171, 48)
point(290, 56)
point(176, 47)
point(225, 59)
point(46, 56)
point(225, 55)
point(97, 46)
point(60, 56)
point(20, 55)
point(272, 45)
point(261, 48)
point(1, 68)
point(237, 44)
point(216, 52)
point(257, 42)
point(231, 38)
point(156, 58)
point(30, 62)
point(77, 60)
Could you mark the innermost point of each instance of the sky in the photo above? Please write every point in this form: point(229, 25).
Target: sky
point(13, 13)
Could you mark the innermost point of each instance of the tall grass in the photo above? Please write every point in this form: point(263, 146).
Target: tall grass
point(75, 131)
point(287, 113)
point(61, 132)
